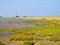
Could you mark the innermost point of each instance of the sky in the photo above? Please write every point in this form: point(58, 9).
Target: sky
point(29, 8)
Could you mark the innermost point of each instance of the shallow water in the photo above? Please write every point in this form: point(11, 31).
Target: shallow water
point(5, 33)
point(16, 23)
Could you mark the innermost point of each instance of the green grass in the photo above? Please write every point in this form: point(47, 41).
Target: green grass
point(50, 32)
point(1, 43)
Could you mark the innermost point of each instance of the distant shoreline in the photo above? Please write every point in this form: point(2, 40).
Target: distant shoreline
point(34, 17)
